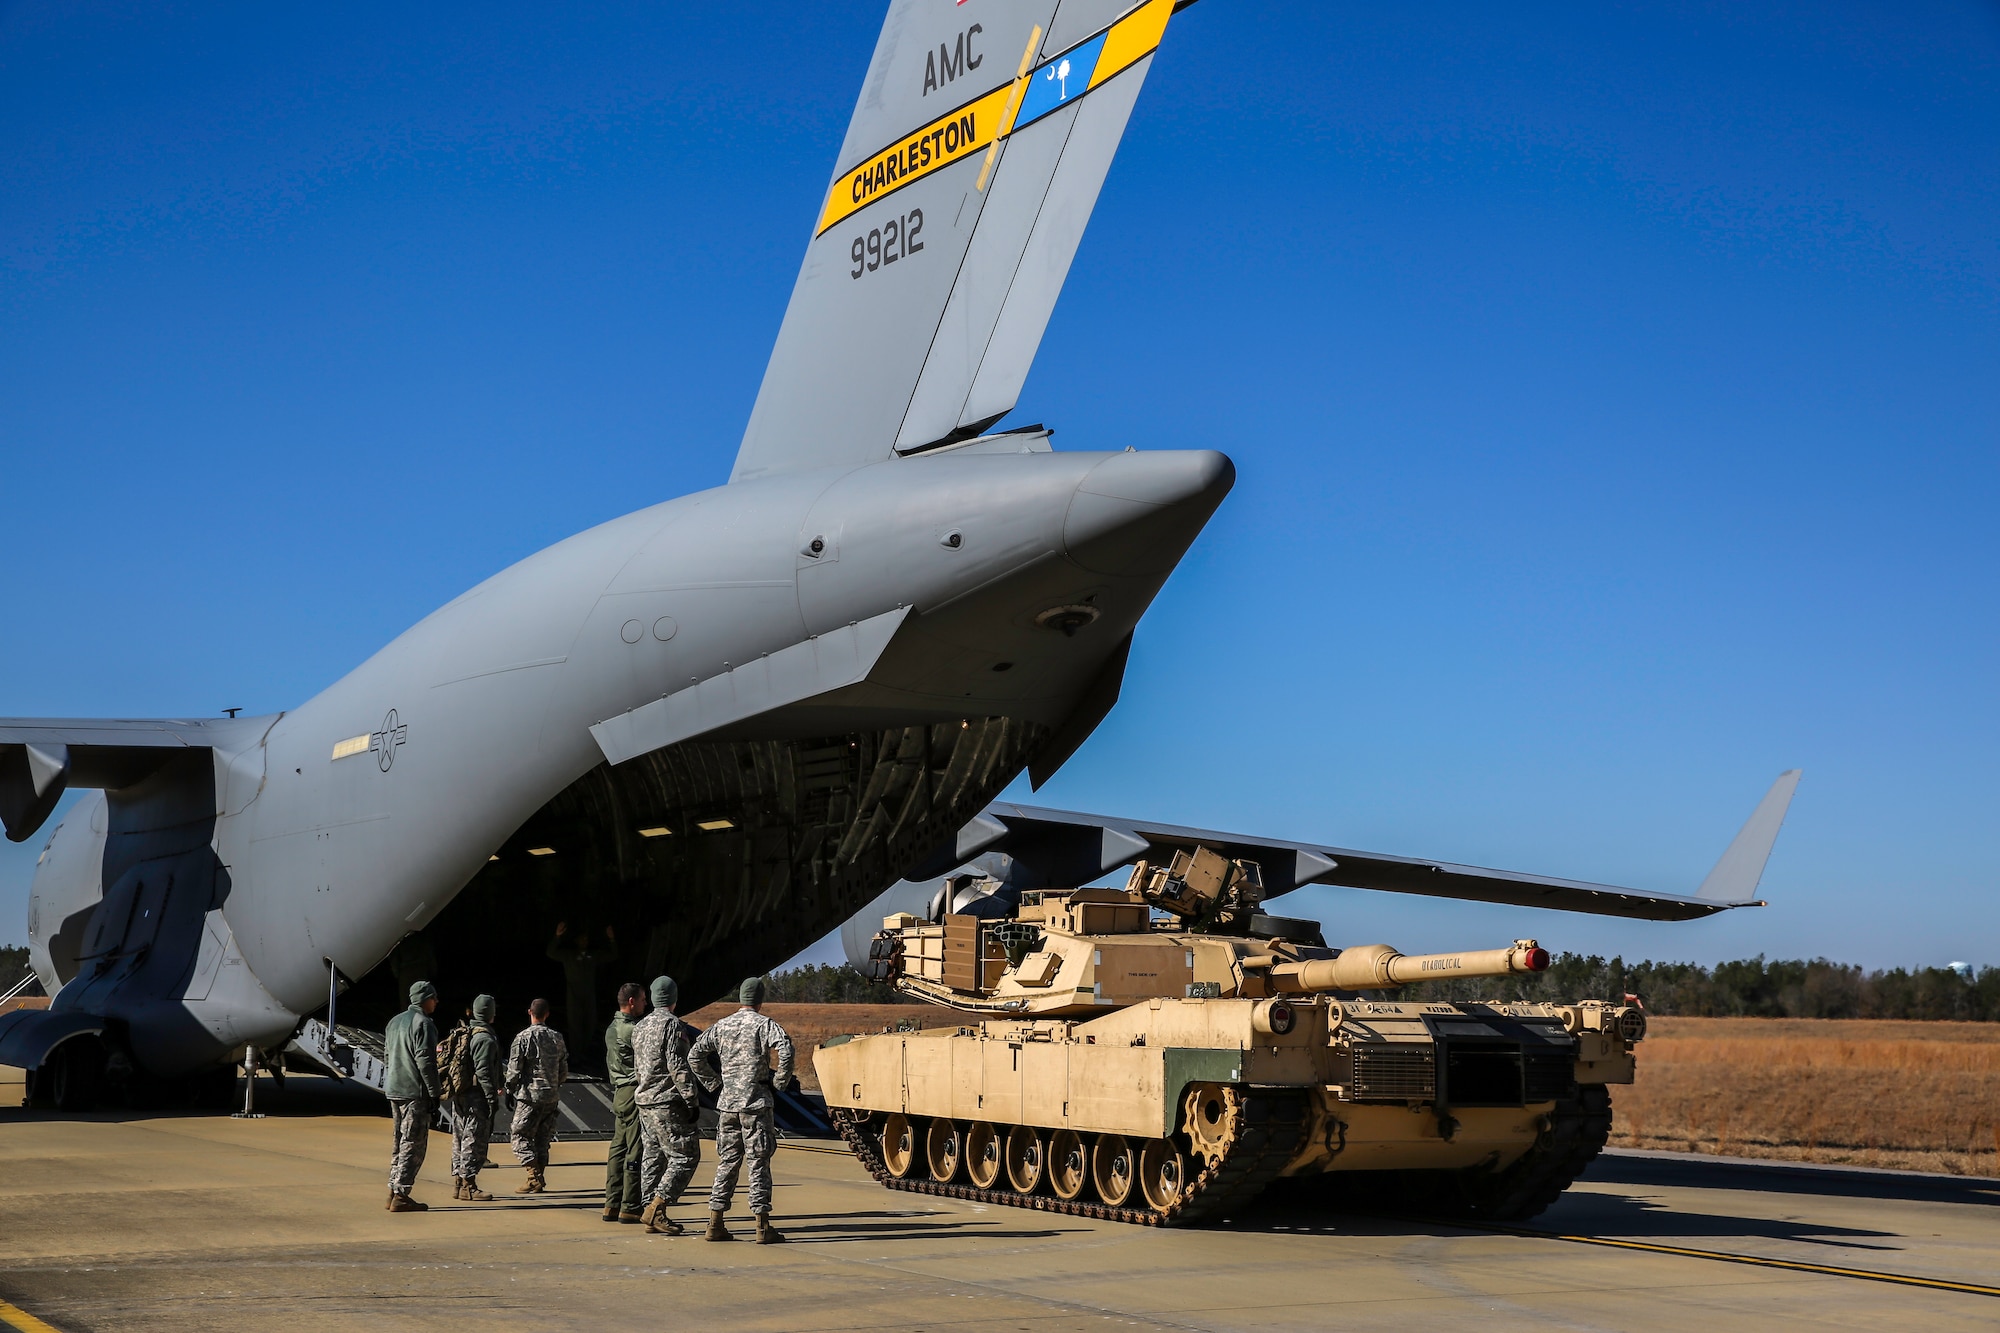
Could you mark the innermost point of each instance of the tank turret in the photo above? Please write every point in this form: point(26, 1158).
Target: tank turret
point(1164, 1051)
point(1080, 950)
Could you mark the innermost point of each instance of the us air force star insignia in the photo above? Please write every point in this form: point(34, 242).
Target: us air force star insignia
point(385, 741)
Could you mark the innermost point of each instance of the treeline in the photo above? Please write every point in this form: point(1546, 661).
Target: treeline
point(1749, 987)
point(825, 984)
point(14, 966)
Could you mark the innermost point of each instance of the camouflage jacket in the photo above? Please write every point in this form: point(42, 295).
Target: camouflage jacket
point(741, 1044)
point(660, 1045)
point(409, 1055)
point(486, 1070)
point(537, 1064)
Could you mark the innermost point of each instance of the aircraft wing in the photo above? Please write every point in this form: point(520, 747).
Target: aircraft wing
point(42, 757)
point(1068, 847)
point(973, 160)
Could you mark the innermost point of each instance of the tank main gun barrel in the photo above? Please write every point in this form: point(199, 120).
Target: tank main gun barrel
point(1375, 966)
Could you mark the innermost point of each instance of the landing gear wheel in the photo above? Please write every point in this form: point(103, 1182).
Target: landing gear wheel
point(1027, 1155)
point(982, 1155)
point(1213, 1117)
point(75, 1071)
point(1113, 1168)
point(1162, 1173)
point(1069, 1164)
point(899, 1145)
point(943, 1150)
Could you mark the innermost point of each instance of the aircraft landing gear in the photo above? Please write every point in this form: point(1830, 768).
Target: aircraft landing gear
point(71, 1078)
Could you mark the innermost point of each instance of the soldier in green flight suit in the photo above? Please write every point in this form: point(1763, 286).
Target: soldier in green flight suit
point(624, 1167)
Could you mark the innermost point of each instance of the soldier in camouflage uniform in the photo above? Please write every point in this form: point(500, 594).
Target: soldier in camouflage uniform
point(473, 1109)
point(742, 1044)
point(410, 1079)
point(536, 1067)
point(669, 1106)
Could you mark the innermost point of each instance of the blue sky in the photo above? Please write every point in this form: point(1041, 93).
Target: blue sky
point(1613, 391)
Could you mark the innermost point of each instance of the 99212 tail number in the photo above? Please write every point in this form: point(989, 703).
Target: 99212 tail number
point(893, 240)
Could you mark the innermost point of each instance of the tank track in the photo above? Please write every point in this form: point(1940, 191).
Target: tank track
point(1578, 1129)
point(1272, 1128)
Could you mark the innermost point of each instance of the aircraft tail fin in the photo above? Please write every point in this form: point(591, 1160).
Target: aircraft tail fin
point(973, 161)
point(1734, 879)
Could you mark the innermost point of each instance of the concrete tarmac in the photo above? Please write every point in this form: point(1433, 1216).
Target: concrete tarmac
point(179, 1221)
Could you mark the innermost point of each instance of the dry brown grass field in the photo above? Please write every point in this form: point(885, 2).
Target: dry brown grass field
point(1859, 1092)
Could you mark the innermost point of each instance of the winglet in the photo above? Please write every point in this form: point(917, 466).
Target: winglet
point(1734, 879)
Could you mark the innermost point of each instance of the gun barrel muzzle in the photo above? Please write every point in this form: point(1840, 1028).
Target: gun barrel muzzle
point(1375, 966)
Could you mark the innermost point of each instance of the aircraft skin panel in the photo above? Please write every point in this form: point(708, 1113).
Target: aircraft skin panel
point(1045, 260)
point(857, 330)
point(1014, 199)
point(888, 322)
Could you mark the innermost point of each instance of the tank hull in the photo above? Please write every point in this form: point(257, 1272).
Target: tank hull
point(1167, 1110)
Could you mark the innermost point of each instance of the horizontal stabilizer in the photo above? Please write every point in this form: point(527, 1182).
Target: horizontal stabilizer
point(42, 757)
point(1062, 847)
point(1734, 879)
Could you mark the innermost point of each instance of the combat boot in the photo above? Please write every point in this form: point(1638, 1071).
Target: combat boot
point(533, 1184)
point(766, 1233)
point(717, 1231)
point(611, 1212)
point(403, 1203)
point(662, 1225)
point(458, 1187)
point(474, 1194)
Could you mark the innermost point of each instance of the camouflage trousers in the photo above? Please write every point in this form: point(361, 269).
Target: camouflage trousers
point(673, 1150)
point(471, 1127)
point(534, 1131)
point(741, 1135)
point(411, 1117)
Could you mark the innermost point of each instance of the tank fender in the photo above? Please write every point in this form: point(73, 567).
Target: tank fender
point(1185, 1065)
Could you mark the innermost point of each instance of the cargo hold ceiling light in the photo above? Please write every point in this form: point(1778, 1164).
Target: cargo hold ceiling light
point(715, 825)
point(655, 832)
point(541, 851)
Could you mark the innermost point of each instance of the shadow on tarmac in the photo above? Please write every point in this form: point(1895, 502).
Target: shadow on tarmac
point(1712, 1173)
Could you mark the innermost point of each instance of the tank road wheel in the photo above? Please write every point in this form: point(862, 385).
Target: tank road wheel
point(1026, 1155)
point(944, 1148)
point(1162, 1174)
point(1069, 1164)
point(1213, 1116)
point(982, 1155)
point(1113, 1168)
point(899, 1145)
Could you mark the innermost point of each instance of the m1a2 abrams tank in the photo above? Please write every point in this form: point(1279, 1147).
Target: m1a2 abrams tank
point(1164, 1053)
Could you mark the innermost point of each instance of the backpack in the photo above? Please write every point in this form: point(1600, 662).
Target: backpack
point(456, 1076)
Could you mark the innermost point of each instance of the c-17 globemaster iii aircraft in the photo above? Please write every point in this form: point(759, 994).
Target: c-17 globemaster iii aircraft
point(705, 734)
